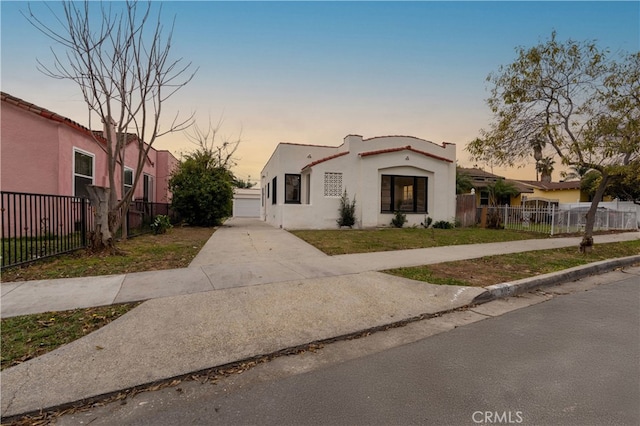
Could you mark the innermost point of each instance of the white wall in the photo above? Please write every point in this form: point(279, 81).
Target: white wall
point(361, 177)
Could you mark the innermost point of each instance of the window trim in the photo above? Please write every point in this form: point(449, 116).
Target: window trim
point(292, 201)
point(274, 190)
point(415, 194)
point(124, 184)
point(73, 169)
point(148, 187)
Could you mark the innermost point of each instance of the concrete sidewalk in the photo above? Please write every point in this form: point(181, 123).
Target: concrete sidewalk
point(310, 297)
point(246, 252)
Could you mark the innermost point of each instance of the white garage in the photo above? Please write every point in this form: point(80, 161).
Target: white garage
point(246, 202)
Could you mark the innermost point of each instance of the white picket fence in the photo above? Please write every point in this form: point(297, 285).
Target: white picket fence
point(553, 220)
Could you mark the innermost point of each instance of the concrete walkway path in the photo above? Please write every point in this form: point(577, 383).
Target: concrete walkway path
point(246, 252)
point(216, 312)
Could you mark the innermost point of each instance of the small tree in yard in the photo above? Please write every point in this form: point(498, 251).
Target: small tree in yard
point(570, 99)
point(347, 211)
point(202, 185)
point(120, 61)
point(498, 191)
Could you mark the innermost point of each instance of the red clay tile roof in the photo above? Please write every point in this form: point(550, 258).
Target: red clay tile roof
point(43, 112)
point(322, 160)
point(407, 148)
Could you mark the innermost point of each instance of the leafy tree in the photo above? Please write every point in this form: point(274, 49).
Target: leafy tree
point(579, 105)
point(590, 182)
point(202, 190)
point(624, 186)
point(241, 183)
point(202, 185)
point(464, 184)
point(120, 60)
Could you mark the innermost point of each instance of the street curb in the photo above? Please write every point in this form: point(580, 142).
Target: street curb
point(498, 291)
point(491, 293)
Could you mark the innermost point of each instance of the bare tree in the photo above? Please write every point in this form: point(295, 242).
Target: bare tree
point(583, 104)
point(221, 150)
point(119, 57)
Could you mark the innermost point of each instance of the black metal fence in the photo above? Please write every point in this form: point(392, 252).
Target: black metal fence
point(37, 226)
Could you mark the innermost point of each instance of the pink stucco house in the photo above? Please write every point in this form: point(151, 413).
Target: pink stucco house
point(45, 153)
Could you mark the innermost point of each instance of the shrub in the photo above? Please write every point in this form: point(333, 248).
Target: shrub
point(443, 224)
point(494, 219)
point(347, 211)
point(161, 224)
point(427, 222)
point(202, 191)
point(399, 219)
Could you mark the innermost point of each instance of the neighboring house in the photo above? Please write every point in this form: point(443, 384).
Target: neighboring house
point(302, 184)
point(554, 192)
point(532, 193)
point(45, 153)
point(481, 181)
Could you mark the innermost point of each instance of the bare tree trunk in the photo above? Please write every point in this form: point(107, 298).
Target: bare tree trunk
point(586, 245)
point(101, 237)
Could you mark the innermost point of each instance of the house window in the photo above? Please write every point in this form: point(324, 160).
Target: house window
point(484, 198)
point(292, 188)
point(404, 193)
point(83, 165)
point(332, 184)
point(127, 183)
point(148, 188)
point(274, 191)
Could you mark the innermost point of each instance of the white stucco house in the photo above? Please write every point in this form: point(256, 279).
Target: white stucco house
point(302, 184)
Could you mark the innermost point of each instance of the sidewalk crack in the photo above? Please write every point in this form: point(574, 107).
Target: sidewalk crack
point(14, 393)
point(482, 313)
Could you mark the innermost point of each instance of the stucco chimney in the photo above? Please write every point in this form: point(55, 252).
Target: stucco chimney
point(350, 142)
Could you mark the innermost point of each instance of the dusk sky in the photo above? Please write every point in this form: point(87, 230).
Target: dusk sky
point(314, 72)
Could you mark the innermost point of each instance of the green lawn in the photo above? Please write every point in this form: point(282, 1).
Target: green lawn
point(510, 267)
point(349, 241)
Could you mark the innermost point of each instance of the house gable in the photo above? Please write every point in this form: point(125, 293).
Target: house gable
point(405, 148)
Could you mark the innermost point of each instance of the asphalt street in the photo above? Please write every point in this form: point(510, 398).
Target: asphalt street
point(570, 360)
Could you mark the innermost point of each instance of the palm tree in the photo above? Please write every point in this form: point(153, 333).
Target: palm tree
point(537, 144)
point(498, 192)
point(545, 167)
point(577, 173)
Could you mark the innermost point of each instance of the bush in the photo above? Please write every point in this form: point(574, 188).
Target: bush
point(202, 192)
point(427, 222)
point(443, 224)
point(399, 219)
point(347, 211)
point(494, 219)
point(161, 224)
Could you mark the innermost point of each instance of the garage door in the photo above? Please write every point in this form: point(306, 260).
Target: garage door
point(246, 207)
